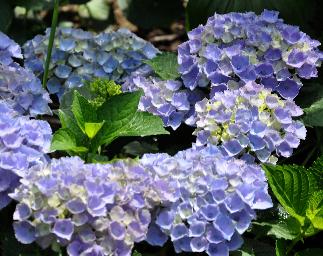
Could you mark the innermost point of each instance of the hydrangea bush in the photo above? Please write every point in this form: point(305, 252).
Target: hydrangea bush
point(80, 55)
point(238, 77)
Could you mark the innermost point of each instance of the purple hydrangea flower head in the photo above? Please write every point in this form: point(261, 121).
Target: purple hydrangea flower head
point(22, 87)
point(244, 47)
point(215, 202)
point(79, 55)
point(8, 50)
point(93, 209)
point(250, 122)
point(167, 99)
point(23, 144)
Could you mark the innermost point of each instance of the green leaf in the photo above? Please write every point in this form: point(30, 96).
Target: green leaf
point(287, 229)
point(91, 129)
point(314, 210)
point(280, 248)
point(292, 185)
point(165, 65)
point(123, 119)
point(6, 16)
point(83, 111)
point(310, 252)
point(64, 139)
point(96, 9)
point(313, 114)
point(255, 248)
point(96, 158)
point(68, 121)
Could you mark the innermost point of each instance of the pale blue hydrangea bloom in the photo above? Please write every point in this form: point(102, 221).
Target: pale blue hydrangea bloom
point(250, 122)
point(101, 208)
point(167, 99)
point(79, 55)
point(215, 202)
point(8, 50)
point(24, 89)
point(244, 47)
point(23, 144)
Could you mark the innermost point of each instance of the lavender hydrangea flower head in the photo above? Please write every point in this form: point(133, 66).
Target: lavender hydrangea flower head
point(167, 99)
point(21, 86)
point(244, 47)
point(23, 144)
point(215, 204)
point(80, 55)
point(8, 50)
point(251, 121)
point(90, 208)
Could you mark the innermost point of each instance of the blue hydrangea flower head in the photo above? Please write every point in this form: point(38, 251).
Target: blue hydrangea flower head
point(93, 209)
point(250, 122)
point(167, 99)
point(21, 86)
point(79, 55)
point(244, 47)
point(215, 202)
point(23, 144)
point(8, 50)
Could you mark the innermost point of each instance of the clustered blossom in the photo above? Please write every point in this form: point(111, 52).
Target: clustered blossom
point(199, 198)
point(24, 89)
point(251, 120)
point(167, 100)
point(88, 207)
point(244, 47)
point(215, 203)
point(23, 144)
point(8, 50)
point(79, 55)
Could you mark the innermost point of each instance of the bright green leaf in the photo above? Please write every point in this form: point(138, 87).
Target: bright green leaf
point(314, 210)
point(314, 113)
point(165, 65)
point(64, 139)
point(96, 9)
point(123, 119)
point(292, 186)
point(91, 129)
point(83, 111)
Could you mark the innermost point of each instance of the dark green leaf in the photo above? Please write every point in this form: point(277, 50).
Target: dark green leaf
point(280, 247)
point(287, 229)
point(313, 114)
point(95, 158)
point(149, 14)
point(6, 15)
point(165, 65)
point(83, 110)
point(64, 139)
point(255, 248)
point(310, 252)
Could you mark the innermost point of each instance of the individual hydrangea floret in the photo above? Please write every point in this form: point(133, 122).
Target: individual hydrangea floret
point(23, 143)
point(79, 55)
point(89, 208)
point(244, 47)
point(8, 50)
point(167, 99)
point(21, 86)
point(215, 203)
point(250, 122)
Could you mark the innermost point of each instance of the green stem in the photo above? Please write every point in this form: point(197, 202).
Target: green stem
point(291, 246)
point(51, 41)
